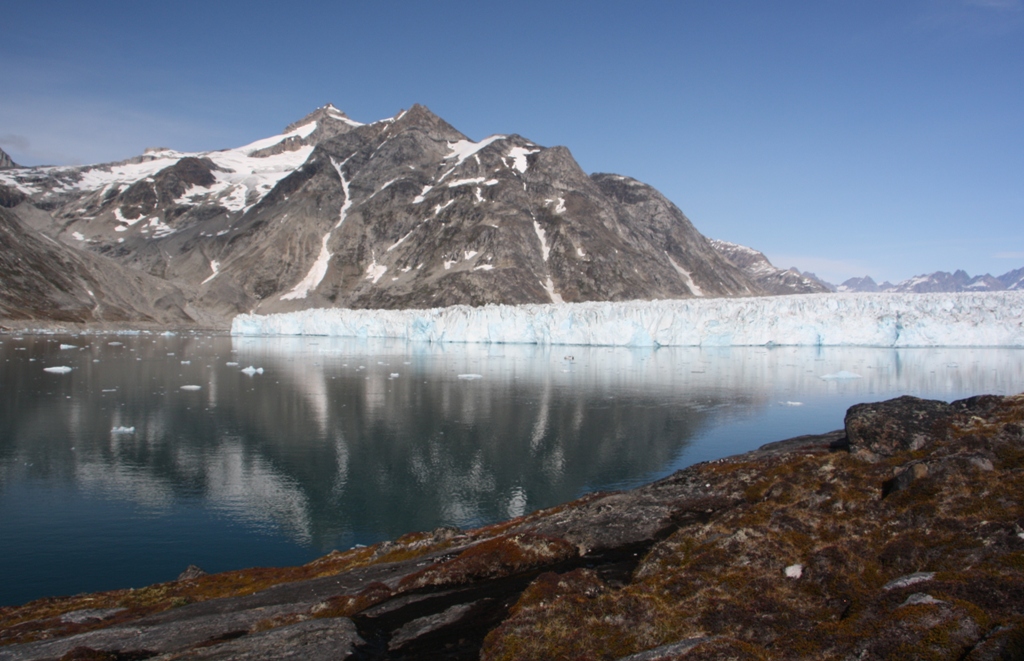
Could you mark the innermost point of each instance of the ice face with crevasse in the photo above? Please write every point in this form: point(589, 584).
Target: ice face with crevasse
point(883, 320)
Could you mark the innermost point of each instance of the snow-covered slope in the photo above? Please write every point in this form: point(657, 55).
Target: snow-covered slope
point(888, 320)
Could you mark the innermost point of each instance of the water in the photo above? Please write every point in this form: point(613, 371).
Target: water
point(112, 475)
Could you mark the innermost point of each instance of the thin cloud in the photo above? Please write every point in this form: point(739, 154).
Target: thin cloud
point(973, 18)
point(1010, 255)
point(999, 5)
point(14, 141)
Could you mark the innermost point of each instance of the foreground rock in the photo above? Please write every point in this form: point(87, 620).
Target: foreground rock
point(901, 536)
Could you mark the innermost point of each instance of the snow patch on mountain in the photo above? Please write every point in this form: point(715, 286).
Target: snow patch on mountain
point(886, 320)
point(319, 269)
point(518, 156)
point(463, 149)
point(545, 249)
point(686, 276)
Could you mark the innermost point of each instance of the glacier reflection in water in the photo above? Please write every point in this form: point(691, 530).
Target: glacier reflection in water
point(113, 475)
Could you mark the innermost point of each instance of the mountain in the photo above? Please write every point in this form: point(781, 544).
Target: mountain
point(940, 281)
point(1013, 279)
point(44, 280)
point(5, 161)
point(406, 212)
point(770, 279)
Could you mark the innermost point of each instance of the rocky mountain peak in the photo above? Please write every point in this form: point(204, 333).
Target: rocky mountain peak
point(5, 161)
point(419, 117)
point(774, 280)
point(328, 114)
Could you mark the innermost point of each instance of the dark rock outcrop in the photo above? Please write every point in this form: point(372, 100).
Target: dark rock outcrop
point(816, 547)
point(6, 162)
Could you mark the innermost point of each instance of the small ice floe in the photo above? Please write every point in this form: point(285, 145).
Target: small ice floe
point(109, 390)
point(186, 362)
point(470, 377)
point(69, 346)
point(60, 369)
point(250, 370)
point(190, 387)
point(394, 375)
point(231, 364)
point(794, 571)
point(115, 344)
point(842, 374)
point(792, 403)
point(123, 430)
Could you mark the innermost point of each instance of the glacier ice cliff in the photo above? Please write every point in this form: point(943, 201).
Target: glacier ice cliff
point(886, 320)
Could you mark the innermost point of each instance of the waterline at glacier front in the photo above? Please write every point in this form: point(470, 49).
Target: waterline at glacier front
point(878, 320)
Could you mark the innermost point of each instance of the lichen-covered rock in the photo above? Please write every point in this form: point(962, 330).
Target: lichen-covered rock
point(883, 429)
point(494, 558)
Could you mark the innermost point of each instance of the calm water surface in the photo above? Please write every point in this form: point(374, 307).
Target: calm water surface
point(112, 475)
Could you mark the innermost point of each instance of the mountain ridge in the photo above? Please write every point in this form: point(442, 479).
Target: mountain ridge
point(939, 282)
point(402, 212)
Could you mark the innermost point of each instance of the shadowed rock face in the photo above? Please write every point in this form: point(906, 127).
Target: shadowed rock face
point(45, 280)
point(901, 536)
point(5, 161)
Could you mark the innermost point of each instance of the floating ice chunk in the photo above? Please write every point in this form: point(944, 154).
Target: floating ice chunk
point(115, 344)
point(69, 346)
point(123, 430)
point(250, 370)
point(109, 390)
point(186, 362)
point(470, 377)
point(60, 369)
point(792, 403)
point(840, 375)
point(394, 375)
point(191, 387)
point(231, 364)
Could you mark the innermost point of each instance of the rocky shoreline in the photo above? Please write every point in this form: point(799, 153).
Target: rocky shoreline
point(900, 536)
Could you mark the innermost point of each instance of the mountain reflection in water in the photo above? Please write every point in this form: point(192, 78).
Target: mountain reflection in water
point(340, 441)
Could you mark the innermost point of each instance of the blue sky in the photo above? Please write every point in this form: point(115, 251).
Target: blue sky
point(845, 137)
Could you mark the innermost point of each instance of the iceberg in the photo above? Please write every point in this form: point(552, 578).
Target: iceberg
point(875, 320)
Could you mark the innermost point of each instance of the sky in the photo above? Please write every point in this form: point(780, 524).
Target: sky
point(843, 137)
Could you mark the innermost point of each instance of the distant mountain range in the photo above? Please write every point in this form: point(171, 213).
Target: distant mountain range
point(406, 212)
point(940, 281)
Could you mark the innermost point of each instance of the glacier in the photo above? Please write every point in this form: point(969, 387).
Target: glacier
point(873, 320)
